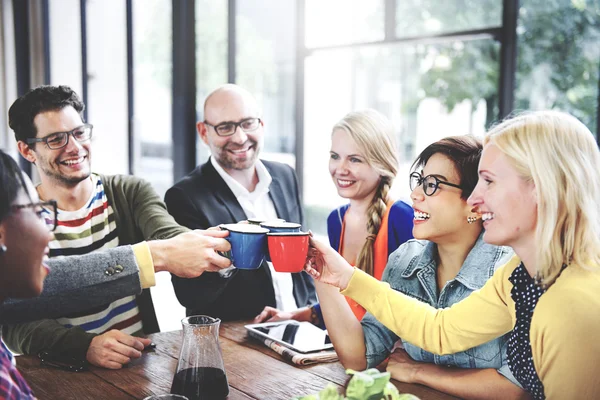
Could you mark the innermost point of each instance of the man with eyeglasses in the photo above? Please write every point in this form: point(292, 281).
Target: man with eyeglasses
point(99, 212)
point(234, 185)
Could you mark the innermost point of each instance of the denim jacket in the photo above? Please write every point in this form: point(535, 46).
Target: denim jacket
point(411, 269)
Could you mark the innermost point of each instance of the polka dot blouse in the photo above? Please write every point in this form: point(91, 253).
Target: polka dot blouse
point(525, 294)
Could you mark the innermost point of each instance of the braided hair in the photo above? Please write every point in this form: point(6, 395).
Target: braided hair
point(374, 135)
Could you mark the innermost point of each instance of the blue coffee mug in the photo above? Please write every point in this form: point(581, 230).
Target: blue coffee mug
point(248, 243)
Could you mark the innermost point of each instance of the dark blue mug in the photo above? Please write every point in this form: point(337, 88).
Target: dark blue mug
point(248, 244)
point(256, 221)
point(280, 227)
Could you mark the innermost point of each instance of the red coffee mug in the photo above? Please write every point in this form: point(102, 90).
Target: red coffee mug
point(288, 250)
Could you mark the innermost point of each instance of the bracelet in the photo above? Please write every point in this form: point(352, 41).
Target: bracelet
point(314, 317)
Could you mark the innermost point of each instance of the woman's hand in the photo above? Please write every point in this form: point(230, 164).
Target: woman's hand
point(402, 367)
point(271, 314)
point(326, 265)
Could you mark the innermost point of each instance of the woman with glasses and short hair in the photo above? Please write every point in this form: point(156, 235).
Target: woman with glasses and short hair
point(24, 239)
point(363, 164)
point(447, 261)
point(538, 192)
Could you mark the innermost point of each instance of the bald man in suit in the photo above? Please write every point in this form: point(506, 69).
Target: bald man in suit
point(234, 185)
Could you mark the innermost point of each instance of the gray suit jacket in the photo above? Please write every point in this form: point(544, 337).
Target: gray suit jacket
point(78, 283)
point(140, 215)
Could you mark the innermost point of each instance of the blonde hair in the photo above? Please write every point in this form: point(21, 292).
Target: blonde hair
point(374, 135)
point(560, 155)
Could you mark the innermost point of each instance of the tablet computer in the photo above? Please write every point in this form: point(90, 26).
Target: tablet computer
point(303, 336)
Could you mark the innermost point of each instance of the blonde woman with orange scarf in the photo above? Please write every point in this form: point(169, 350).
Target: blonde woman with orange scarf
point(363, 164)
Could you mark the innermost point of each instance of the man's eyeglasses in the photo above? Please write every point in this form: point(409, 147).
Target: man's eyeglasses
point(59, 140)
point(46, 211)
point(229, 128)
point(430, 183)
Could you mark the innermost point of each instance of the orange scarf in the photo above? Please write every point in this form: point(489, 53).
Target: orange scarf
point(380, 256)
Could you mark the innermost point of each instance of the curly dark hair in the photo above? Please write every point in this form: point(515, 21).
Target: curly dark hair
point(38, 100)
point(463, 151)
point(11, 180)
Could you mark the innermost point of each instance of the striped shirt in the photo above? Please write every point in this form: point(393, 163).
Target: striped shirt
point(91, 228)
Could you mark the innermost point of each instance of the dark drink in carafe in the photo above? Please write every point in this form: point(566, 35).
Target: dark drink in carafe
point(201, 383)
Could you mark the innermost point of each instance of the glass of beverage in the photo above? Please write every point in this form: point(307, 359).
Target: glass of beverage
point(200, 371)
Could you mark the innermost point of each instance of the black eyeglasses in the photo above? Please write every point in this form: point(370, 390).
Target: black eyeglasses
point(59, 140)
point(430, 183)
point(46, 211)
point(229, 128)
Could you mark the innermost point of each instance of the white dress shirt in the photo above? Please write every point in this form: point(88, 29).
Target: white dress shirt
point(258, 204)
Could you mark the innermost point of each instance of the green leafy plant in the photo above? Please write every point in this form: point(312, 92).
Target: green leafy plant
point(370, 384)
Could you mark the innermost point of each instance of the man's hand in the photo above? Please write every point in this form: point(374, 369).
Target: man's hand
point(191, 254)
point(402, 367)
point(113, 349)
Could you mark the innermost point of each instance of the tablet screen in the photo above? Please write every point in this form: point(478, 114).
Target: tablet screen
point(302, 336)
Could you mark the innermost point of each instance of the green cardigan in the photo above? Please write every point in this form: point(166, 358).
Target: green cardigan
point(139, 215)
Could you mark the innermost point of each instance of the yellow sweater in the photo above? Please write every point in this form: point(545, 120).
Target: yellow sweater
point(564, 329)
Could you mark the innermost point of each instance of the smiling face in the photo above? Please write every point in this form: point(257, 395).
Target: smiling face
point(353, 178)
point(240, 150)
point(68, 165)
point(506, 200)
point(441, 216)
point(26, 238)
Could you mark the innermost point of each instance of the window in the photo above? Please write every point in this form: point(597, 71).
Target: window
point(107, 85)
point(339, 22)
point(152, 64)
point(434, 17)
point(65, 44)
point(211, 58)
point(8, 76)
point(559, 57)
point(265, 65)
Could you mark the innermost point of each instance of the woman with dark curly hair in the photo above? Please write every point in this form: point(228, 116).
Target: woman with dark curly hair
point(24, 239)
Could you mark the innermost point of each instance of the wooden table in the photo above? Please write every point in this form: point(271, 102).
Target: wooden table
point(253, 370)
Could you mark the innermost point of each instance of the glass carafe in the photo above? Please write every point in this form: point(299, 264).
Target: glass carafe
point(200, 371)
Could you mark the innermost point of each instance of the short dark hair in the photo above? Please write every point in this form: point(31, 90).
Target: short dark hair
point(11, 180)
point(38, 100)
point(464, 152)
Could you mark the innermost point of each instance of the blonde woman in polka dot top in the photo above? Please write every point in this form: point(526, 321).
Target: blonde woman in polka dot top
point(538, 192)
